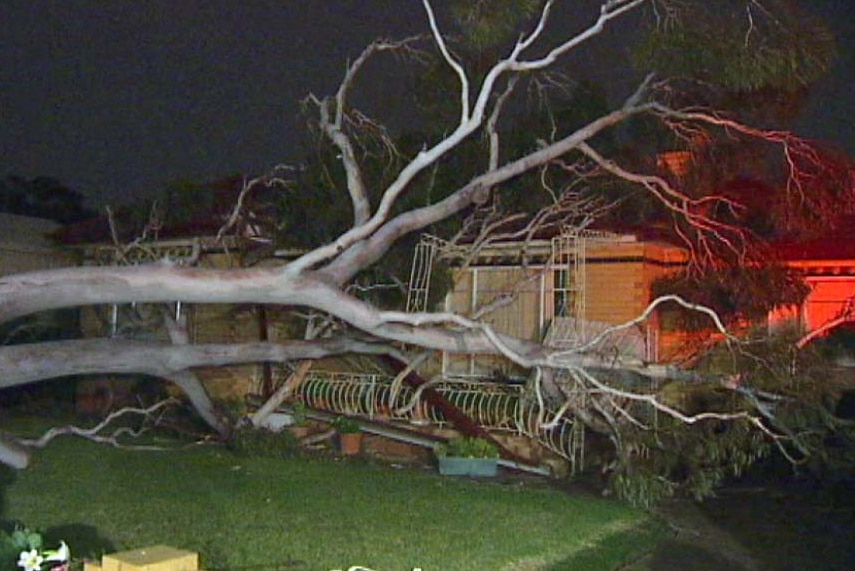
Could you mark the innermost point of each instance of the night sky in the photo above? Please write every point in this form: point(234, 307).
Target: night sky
point(118, 98)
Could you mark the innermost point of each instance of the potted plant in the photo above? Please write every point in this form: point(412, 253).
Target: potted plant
point(466, 456)
point(298, 413)
point(349, 435)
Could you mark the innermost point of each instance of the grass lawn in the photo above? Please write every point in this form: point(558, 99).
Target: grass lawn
point(314, 513)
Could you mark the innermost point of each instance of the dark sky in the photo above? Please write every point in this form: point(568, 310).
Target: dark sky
point(115, 98)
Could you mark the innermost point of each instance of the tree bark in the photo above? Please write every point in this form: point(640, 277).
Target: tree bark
point(188, 381)
point(277, 398)
point(199, 399)
point(22, 364)
point(12, 453)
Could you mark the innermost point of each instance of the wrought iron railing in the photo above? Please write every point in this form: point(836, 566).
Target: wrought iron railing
point(495, 406)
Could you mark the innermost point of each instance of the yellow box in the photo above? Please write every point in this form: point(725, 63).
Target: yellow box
point(155, 558)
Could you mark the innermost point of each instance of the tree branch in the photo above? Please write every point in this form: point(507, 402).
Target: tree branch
point(364, 253)
point(468, 124)
point(451, 61)
point(93, 433)
point(22, 364)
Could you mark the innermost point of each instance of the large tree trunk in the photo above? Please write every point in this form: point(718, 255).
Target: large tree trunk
point(25, 293)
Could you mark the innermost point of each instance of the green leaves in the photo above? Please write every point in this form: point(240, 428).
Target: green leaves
point(740, 47)
point(346, 425)
point(467, 448)
point(24, 538)
point(489, 22)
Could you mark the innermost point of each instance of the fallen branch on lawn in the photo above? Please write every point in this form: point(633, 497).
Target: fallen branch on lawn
point(111, 439)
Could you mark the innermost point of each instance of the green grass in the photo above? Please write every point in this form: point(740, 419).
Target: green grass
point(314, 513)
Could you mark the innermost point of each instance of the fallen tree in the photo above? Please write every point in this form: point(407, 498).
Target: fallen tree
point(318, 279)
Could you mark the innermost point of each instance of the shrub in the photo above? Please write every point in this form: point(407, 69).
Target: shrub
point(345, 425)
point(467, 448)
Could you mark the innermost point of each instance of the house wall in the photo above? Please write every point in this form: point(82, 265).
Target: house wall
point(830, 297)
point(220, 323)
point(616, 287)
point(619, 281)
point(617, 277)
point(517, 296)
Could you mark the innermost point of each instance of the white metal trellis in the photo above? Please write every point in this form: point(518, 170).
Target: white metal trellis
point(420, 273)
point(567, 264)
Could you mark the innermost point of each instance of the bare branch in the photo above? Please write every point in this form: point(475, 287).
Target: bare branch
point(795, 149)
point(332, 123)
point(609, 10)
point(492, 122)
point(843, 316)
point(367, 251)
point(644, 316)
point(473, 121)
point(94, 433)
point(451, 61)
point(238, 208)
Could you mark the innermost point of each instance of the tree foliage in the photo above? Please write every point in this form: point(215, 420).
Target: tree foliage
point(487, 23)
point(738, 294)
point(42, 197)
point(739, 46)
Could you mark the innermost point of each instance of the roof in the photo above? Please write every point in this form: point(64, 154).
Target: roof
point(207, 221)
point(837, 245)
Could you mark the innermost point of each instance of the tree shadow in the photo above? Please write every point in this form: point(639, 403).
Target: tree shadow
point(7, 477)
point(85, 541)
point(674, 554)
point(618, 551)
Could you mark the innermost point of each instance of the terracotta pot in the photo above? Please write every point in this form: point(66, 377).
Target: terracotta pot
point(350, 443)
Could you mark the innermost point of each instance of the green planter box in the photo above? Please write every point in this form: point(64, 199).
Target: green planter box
point(478, 467)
